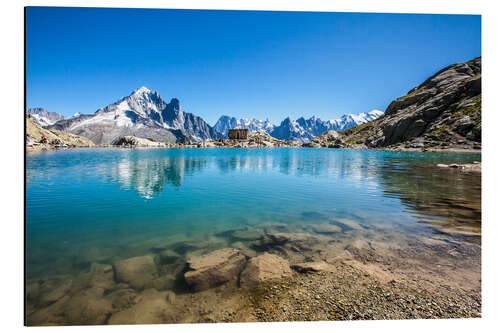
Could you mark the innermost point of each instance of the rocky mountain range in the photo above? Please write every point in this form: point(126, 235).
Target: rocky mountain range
point(44, 118)
point(301, 129)
point(142, 114)
point(225, 123)
point(444, 111)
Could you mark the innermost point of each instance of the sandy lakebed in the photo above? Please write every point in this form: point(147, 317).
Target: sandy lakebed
point(333, 277)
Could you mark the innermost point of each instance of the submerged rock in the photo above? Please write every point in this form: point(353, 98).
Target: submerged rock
point(246, 235)
point(475, 166)
point(215, 268)
point(99, 275)
point(56, 293)
point(151, 308)
point(122, 299)
point(168, 257)
point(326, 228)
point(263, 268)
point(137, 272)
point(49, 315)
point(270, 240)
point(163, 282)
point(88, 307)
point(361, 249)
point(244, 248)
point(347, 224)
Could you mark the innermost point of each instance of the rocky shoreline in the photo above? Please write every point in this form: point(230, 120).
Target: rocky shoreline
point(335, 271)
point(144, 143)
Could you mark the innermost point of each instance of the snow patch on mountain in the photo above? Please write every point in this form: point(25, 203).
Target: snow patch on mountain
point(44, 118)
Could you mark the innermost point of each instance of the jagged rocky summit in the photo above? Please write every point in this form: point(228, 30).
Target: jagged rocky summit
point(142, 114)
point(444, 111)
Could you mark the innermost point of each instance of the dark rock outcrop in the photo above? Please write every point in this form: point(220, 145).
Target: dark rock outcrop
point(443, 110)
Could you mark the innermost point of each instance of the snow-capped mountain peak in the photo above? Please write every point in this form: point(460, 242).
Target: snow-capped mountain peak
point(142, 90)
point(143, 113)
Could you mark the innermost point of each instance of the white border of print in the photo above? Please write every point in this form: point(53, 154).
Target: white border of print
point(12, 97)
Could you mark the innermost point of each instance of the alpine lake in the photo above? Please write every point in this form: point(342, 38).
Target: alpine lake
point(381, 219)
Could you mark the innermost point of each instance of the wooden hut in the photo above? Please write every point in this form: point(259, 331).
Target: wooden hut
point(238, 134)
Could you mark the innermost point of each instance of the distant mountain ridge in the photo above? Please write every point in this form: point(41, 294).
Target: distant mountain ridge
point(301, 129)
point(225, 123)
point(44, 118)
point(143, 114)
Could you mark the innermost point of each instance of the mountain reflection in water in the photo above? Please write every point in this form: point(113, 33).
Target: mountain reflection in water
point(447, 200)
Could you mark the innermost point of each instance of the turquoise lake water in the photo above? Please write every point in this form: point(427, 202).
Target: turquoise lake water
point(97, 205)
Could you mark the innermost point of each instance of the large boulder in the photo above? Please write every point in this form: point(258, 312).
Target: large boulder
point(138, 272)
point(264, 268)
point(330, 139)
point(215, 268)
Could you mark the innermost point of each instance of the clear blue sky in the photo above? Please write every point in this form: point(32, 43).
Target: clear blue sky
point(238, 63)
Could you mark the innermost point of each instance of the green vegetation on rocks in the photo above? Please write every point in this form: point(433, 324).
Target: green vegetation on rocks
point(412, 93)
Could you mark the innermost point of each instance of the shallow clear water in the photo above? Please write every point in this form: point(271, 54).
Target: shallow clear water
point(100, 205)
